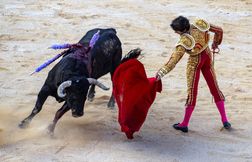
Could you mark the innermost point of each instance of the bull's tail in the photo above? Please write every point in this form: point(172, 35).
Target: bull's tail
point(133, 54)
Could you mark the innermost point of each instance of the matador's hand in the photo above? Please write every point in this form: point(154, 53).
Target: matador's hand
point(214, 46)
point(158, 76)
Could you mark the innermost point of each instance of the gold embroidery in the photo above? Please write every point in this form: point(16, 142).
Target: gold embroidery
point(201, 41)
point(186, 41)
point(174, 59)
point(193, 43)
point(215, 82)
point(202, 25)
point(191, 69)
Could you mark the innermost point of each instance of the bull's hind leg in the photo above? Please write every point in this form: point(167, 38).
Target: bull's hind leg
point(91, 93)
point(115, 64)
point(111, 103)
point(42, 96)
point(58, 115)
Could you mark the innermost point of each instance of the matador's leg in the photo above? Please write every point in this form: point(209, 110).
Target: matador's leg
point(193, 74)
point(210, 77)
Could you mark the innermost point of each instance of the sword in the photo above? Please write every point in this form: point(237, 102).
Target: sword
point(215, 51)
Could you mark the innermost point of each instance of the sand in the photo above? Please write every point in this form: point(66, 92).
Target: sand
point(29, 27)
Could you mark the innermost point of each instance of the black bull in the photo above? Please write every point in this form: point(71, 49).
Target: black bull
point(70, 78)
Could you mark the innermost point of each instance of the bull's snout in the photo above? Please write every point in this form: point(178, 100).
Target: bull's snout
point(77, 114)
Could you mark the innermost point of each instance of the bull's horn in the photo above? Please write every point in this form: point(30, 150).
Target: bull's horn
point(61, 88)
point(96, 82)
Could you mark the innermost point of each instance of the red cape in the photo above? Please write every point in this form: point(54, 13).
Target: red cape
point(134, 94)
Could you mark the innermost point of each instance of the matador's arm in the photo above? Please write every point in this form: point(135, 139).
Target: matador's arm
point(218, 35)
point(174, 59)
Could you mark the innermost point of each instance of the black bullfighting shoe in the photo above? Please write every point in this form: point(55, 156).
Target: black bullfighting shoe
point(227, 125)
point(177, 127)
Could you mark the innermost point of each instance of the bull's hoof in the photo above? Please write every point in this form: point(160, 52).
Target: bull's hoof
point(23, 124)
point(91, 97)
point(111, 105)
point(50, 130)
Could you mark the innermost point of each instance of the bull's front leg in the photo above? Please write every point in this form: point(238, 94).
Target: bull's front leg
point(111, 103)
point(58, 115)
point(91, 93)
point(42, 96)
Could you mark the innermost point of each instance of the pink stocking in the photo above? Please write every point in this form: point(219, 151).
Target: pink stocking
point(188, 113)
point(221, 107)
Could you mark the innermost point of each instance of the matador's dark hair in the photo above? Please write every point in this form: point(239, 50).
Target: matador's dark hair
point(180, 24)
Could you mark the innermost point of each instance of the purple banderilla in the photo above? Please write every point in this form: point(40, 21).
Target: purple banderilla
point(64, 46)
point(95, 37)
point(60, 46)
point(48, 62)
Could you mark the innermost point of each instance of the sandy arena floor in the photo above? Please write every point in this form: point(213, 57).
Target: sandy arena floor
point(29, 27)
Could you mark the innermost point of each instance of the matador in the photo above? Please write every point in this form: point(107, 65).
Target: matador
point(194, 40)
